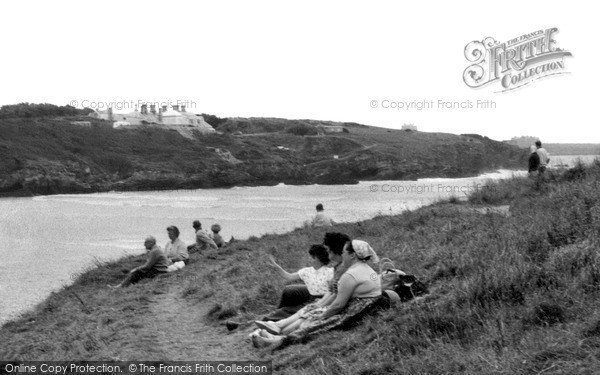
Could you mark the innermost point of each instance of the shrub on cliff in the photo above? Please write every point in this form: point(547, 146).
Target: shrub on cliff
point(213, 120)
point(28, 110)
point(114, 163)
point(302, 129)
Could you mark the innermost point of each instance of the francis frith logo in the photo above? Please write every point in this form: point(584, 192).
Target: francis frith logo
point(515, 63)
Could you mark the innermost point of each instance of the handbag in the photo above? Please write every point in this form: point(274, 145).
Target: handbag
point(406, 286)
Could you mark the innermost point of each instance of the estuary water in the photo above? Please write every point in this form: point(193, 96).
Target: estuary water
point(47, 241)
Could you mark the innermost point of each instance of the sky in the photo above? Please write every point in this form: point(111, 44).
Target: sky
point(349, 61)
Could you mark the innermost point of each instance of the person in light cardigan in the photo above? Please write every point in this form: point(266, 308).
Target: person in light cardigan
point(315, 284)
point(175, 249)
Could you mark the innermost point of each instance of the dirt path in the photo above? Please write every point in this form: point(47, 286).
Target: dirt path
point(195, 338)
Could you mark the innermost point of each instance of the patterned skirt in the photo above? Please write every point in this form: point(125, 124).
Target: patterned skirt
point(355, 309)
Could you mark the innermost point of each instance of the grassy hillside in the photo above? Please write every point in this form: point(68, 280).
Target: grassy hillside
point(514, 294)
point(47, 155)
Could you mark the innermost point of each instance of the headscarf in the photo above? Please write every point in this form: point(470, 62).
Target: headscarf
point(363, 250)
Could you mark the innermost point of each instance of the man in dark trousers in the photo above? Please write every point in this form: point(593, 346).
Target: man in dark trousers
point(544, 157)
point(157, 263)
point(534, 161)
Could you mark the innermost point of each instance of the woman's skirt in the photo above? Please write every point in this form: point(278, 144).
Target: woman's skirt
point(355, 309)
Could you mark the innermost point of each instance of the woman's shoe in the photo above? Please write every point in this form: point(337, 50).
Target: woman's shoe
point(268, 326)
point(265, 334)
point(259, 342)
point(256, 332)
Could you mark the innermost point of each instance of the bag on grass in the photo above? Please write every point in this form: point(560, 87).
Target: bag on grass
point(406, 286)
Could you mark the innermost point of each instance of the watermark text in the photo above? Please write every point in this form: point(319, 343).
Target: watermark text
point(428, 188)
point(432, 104)
point(132, 104)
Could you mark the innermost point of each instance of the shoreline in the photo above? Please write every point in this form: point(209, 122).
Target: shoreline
point(25, 194)
point(22, 194)
point(299, 226)
point(507, 290)
point(504, 172)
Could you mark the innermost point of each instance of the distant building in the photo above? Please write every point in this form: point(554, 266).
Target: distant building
point(82, 123)
point(177, 118)
point(118, 124)
point(409, 127)
point(328, 129)
point(141, 117)
point(107, 115)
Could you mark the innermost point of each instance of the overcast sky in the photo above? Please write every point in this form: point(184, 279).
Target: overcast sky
point(303, 60)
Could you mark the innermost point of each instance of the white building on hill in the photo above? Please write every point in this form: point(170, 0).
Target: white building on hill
point(177, 118)
point(108, 115)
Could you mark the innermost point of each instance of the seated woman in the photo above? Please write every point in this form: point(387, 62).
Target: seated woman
point(157, 263)
point(358, 289)
point(175, 248)
point(316, 283)
point(294, 297)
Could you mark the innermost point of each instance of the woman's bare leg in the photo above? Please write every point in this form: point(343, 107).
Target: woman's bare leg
point(292, 327)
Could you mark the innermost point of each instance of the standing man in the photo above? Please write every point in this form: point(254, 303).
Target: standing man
point(203, 241)
point(320, 219)
point(544, 157)
point(534, 160)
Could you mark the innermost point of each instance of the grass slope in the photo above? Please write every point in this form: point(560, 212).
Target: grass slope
point(509, 295)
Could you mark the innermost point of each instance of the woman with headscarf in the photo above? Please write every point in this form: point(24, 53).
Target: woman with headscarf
point(358, 289)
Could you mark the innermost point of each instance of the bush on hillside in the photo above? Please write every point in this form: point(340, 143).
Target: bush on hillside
point(302, 129)
point(213, 120)
point(29, 110)
point(114, 163)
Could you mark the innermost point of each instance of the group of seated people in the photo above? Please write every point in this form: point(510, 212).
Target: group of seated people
point(338, 288)
point(175, 255)
point(336, 295)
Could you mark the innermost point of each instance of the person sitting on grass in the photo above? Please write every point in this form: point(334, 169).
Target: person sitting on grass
point(203, 241)
point(316, 283)
point(215, 236)
point(175, 249)
point(157, 263)
point(358, 290)
point(334, 242)
point(320, 219)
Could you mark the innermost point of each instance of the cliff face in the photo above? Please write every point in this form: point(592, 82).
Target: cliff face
point(49, 156)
